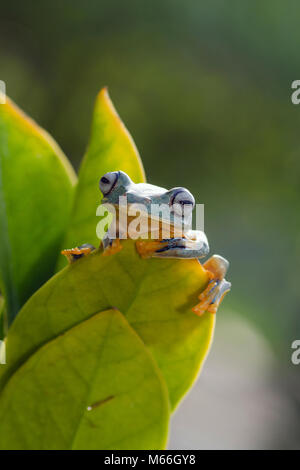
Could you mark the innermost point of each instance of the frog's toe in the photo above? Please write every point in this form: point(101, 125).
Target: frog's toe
point(212, 296)
point(73, 254)
point(210, 299)
point(111, 246)
point(206, 297)
point(224, 287)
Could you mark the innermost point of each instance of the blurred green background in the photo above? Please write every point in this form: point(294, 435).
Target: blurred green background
point(204, 88)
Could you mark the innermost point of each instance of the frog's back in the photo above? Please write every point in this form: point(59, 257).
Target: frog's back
point(149, 190)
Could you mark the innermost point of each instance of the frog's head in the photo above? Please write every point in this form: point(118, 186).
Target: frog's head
point(113, 185)
point(117, 183)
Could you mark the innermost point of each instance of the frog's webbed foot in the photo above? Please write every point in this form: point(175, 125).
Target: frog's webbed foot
point(217, 287)
point(111, 245)
point(73, 254)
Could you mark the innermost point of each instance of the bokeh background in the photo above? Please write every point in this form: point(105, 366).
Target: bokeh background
point(205, 89)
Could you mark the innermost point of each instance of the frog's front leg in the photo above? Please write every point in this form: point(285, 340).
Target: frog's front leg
point(111, 241)
point(193, 245)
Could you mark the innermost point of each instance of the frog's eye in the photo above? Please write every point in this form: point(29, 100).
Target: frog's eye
point(182, 202)
point(108, 182)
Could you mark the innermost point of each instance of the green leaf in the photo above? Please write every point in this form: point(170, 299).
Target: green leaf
point(95, 387)
point(155, 295)
point(2, 318)
point(111, 148)
point(36, 191)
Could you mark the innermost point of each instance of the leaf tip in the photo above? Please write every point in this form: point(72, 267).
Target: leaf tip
point(30, 125)
point(103, 96)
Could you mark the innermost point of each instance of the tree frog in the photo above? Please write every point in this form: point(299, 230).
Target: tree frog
point(191, 243)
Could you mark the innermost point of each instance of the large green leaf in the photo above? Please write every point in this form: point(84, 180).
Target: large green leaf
point(95, 387)
point(155, 295)
point(111, 148)
point(2, 317)
point(36, 191)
